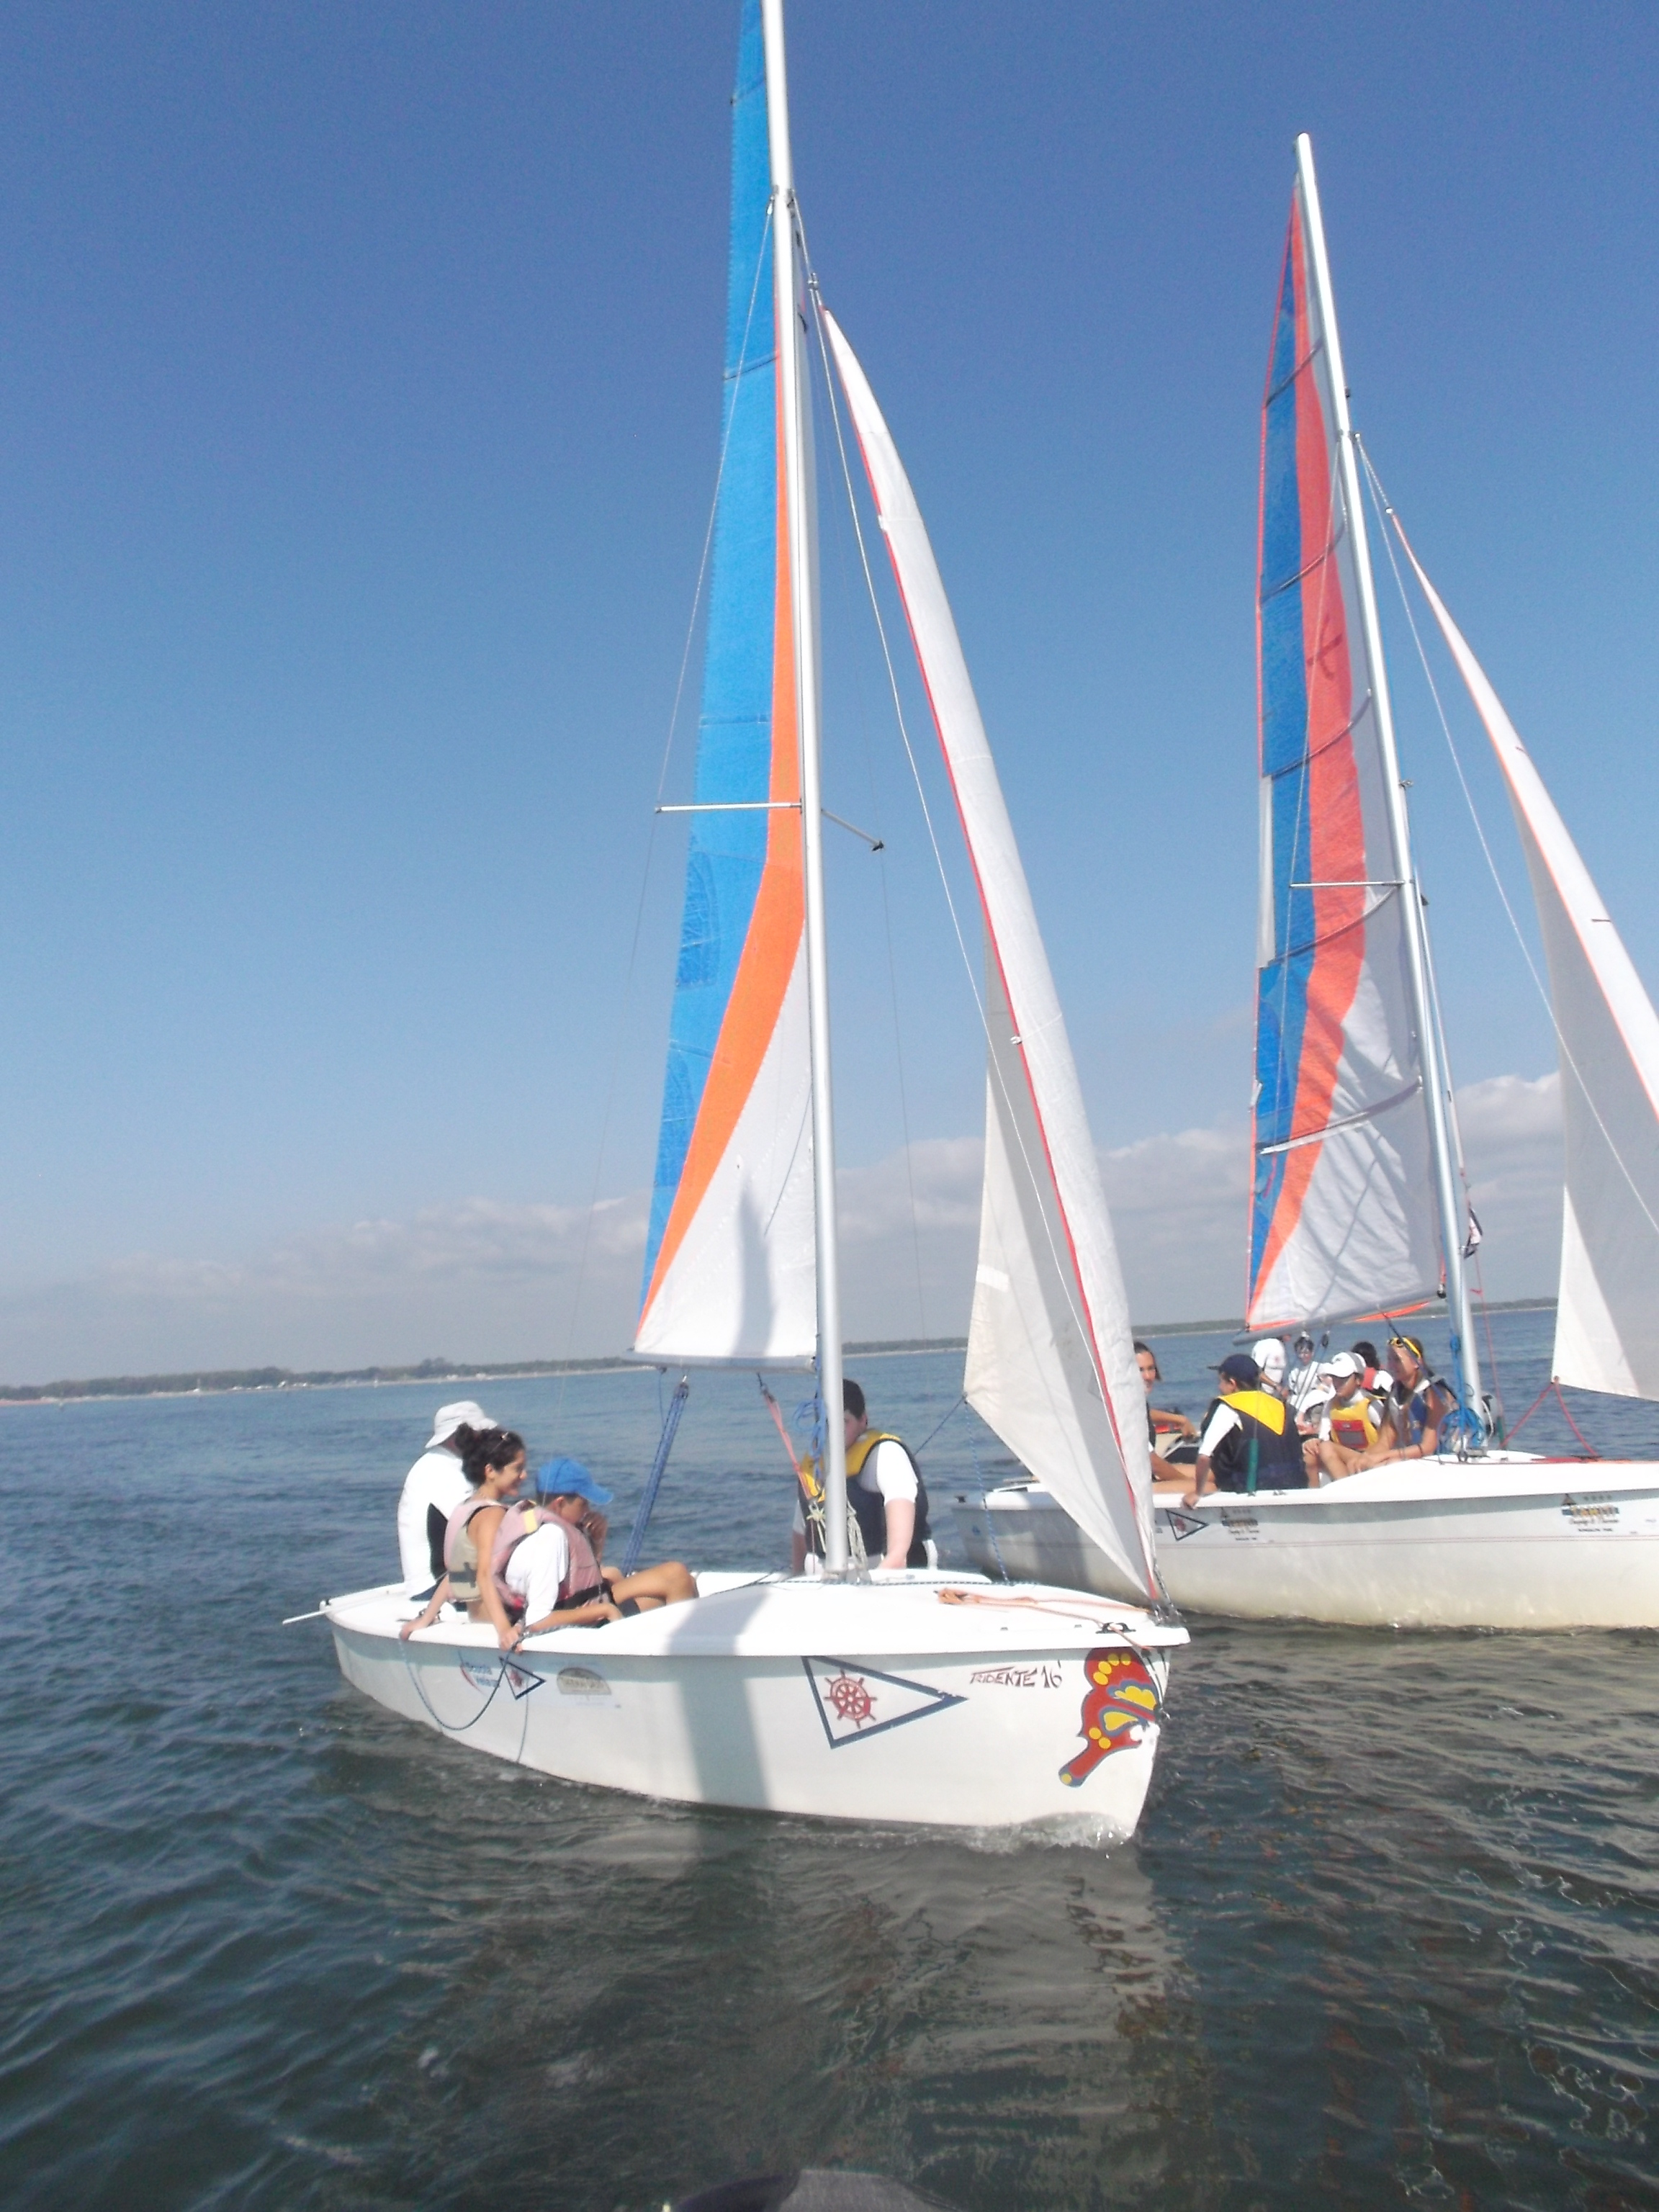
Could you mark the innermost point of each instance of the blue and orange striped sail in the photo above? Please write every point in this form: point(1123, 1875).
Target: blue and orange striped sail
point(1341, 1218)
point(729, 1266)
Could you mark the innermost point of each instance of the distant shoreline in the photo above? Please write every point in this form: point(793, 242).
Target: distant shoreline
point(227, 1380)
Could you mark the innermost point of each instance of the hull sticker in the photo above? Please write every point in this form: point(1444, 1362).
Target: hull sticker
point(583, 1682)
point(855, 1702)
point(1119, 1704)
point(1183, 1524)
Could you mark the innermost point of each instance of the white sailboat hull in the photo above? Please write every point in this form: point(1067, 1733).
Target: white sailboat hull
point(866, 1702)
point(1498, 1542)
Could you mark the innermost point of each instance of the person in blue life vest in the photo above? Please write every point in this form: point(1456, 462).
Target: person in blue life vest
point(884, 1490)
point(1418, 1405)
point(1248, 1441)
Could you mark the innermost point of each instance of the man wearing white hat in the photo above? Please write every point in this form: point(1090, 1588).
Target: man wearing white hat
point(433, 1488)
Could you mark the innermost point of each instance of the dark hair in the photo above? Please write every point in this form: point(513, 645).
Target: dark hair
point(1412, 1344)
point(1158, 1372)
point(1367, 1352)
point(851, 1399)
point(482, 1449)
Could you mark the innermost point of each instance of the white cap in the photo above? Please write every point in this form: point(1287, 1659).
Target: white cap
point(463, 1414)
point(1269, 1357)
point(1341, 1363)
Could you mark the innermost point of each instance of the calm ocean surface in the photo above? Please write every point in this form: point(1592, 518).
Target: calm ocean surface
point(1388, 1936)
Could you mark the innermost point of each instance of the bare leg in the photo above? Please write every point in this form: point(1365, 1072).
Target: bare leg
point(670, 1584)
point(1165, 1476)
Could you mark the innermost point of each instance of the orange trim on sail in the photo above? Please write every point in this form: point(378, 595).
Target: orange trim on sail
point(1337, 857)
point(773, 945)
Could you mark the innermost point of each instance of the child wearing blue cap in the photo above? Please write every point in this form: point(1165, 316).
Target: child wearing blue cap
point(554, 1570)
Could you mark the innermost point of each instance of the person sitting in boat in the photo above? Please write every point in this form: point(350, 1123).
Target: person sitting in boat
point(1304, 1379)
point(432, 1490)
point(547, 1561)
point(1354, 1423)
point(1370, 1365)
point(1160, 1425)
point(884, 1490)
point(1418, 1402)
point(492, 1465)
point(1248, 1441)
point(1269, 1353)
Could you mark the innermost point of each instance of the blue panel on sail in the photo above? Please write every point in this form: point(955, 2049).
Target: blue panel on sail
point(734, 742)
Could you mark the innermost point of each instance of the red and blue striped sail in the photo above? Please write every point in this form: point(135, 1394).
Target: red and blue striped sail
point(729, 1265)
point(1341, 1218)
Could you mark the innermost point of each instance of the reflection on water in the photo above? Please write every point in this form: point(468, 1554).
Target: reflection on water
point(1387, 1936)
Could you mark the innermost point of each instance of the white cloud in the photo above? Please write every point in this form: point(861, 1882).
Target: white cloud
point(487, 1280)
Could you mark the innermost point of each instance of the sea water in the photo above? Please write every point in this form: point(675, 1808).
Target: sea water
point(1387, 1934)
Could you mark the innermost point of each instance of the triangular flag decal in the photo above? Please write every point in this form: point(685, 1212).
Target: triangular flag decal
point(855, 1702)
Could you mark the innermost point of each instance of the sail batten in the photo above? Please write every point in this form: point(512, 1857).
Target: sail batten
point(729, 1269)
point(1342, 1214)
point(1050, 1363)
point(1606, 1330)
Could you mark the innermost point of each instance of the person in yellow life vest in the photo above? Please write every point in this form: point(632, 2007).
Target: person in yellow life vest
point(1248, 1440)
point(884, 1489)
point(1353, 1420)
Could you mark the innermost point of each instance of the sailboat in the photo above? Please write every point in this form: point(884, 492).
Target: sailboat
point(904, 1695)
point(1358, 1202)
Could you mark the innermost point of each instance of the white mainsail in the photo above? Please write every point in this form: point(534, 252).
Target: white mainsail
point(1607, 1326)
point(1050, 1358)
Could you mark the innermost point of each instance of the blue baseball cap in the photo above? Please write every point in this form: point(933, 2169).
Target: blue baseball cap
point(568, 1477)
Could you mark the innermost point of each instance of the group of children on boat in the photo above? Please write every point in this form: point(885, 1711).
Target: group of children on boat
point(521, 1551)
point(524, 1551)
point(1274, 1426)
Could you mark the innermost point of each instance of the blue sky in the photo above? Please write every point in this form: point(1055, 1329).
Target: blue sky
point(359, 376)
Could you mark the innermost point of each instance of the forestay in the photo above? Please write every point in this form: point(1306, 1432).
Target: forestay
point(1050, 1360)
point(1341, 1216)
point(1607, 1324)
point(729, 1253)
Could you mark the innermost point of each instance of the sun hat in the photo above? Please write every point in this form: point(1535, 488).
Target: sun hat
point(1269, 1357)
point(1239, 1367)
point(1341, 1363)
point(568, 1477)
point(463, 1414)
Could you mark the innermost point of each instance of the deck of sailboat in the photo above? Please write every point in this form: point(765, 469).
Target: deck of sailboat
point(894, 1614)
point(1483, 1475)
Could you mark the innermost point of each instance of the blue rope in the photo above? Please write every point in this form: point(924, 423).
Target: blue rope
point(937, 1425)
point(653, 1480)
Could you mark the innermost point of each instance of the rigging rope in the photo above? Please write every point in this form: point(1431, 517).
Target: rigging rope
point(886, 921)
point(1386, 509)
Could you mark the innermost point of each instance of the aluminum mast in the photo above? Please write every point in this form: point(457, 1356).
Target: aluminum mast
point(804, 606)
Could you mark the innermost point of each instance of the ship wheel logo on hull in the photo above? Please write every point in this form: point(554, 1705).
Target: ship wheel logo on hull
point(855, 1702)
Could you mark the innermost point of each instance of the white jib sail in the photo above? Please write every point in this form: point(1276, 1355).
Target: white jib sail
point(1051, 1362)
point(1607, 1326)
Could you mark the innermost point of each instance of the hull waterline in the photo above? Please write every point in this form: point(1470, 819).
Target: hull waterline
point(1501, 1543)
point(874, 1702)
